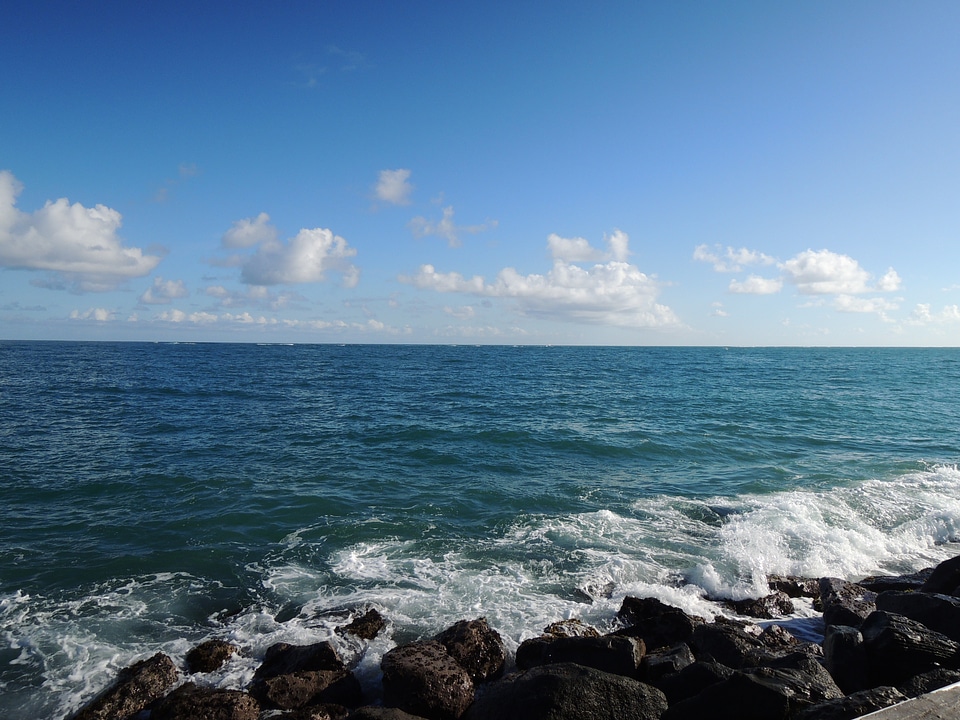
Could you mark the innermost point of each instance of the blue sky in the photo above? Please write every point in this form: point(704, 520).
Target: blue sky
point(741, 173)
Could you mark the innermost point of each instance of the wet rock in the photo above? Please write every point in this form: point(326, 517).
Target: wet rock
point(595, 591)
point(945, 578)
point(768, 607)
point(666, 661)
point(902, 583)
point(692, 680)
point(655, 622)
point(567, 692)
point(853, 705)
point(570, 628)
point(929, 681)
point(328, 711)
point(845, 603)
point(730, 643)
point(365, 627)
point(209, 656)
point(135, 688)
point(795, 587)
point(424, 679)
point(476, 647)
point(308, 687)
point(190, 701)
point(898, 648)
point(940, 613)
point(284, 659)
point(614, 654)
point(845, 657)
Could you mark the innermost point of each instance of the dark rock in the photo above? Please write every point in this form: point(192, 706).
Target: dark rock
point(692, 680)
point(795, 587)
point(365, 627)
point(570, 628)
point(209, 656)
point(595, 591)
point(903, 583)
point(424, 679)
point(567, 692)
point(729, 643)
point(190, 701)
point(666, 661)
point(845, 603)
point(655, 622)
point(135, 688)
point(845, 657)
point(328, 711)
point(929, 681)
point(381, 713)
point(898, 648)
point(940, 613)
point(478, 648)
point(308, 687)
point(853, 705)
point(945, 578)
point(768, 607)
point(284, 659)
point(614, 654)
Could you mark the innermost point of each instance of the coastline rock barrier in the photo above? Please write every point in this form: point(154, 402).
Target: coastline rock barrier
point(885, 640)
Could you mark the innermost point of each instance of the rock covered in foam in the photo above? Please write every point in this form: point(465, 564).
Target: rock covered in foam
point(136, 687)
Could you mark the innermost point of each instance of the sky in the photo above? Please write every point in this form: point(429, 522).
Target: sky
point(613, 173)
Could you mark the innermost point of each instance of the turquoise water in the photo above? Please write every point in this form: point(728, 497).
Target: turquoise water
point(158, 494)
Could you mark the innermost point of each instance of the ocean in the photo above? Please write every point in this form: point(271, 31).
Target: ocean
point(156, 495)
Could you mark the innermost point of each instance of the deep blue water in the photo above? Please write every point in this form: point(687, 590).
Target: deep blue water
point(158, 494)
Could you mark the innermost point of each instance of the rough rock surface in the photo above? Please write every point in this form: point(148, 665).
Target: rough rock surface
point(940, 613)
point(845, 603)
point(135, 688)
point(945, 578)
point(853, 705)
point(898, 648)
point(567, 692)
point(190, 701)
point(845, 658)
point(655, 622)
point(365, 627)
point(666, 661)
point(476, 647)
point(381, 713)
point(615, 654)
point(308, 687)
point(424, 679)
point(209, 656)
point(283, 659)
point(771, 606)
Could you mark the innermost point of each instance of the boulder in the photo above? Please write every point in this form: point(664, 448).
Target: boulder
point(308, 687)
point(845, 657)
point(190, 701)
point(929, 681)
point(209, 656)
point(938, 612)
point(135, 688)
point(655, 622)
point(666, 661)
point(945, 578)
point(283, 659)
point(795, 587)
point(476, 647)
point(571, 627)
point(730, 643)
point(371, 712)
point(768, 607)
point(424, 679)
point(692, 680)
point(845, 603)
point(567, 691)
point(365, 627)
point(853, 705)
point(898, 648)
point(615, 654)
point(883, 583)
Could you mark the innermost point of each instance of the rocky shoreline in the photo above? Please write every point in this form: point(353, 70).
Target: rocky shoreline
point(886, 639)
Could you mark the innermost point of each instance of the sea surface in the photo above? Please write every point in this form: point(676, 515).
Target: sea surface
point(156, 495)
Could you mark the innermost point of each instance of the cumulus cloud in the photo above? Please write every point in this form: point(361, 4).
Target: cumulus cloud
point(78, 245)
point(446, 228)
point(612, 293)
point(579, 249)
point(393, 186)
point(822, 272)
point(95, 314)
point(305, 258)
point(923, 315)
point(257, 295)
point(163, 292)
point(756, 285)
point(730, 259)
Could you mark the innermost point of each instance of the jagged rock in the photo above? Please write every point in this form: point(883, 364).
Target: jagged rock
point(595, 591)
point(898, 648)
point(371, 712)
point(308, 687)
point(929, 681)
point(570, 628)
point(135, 688)
point(845, 603)
point(883, 583)
point(768, 607)
point(614, 654)
point(729, 643)
point(284, 659)
point(365, 627)
point(853, 705)
point(190, 701)
point(478, 648)
point(692, 680)
point(666, 661)
point(656, 623)
point(209, 656)
point(845, 657)
point(757, 694)
point(424, 679)
point(795, 587)
point(945, 578)
point(940, 613)
point(567, 692)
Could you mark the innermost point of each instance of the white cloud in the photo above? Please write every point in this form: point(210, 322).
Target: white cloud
point(256, 295)
point(578, 249)
point(393, 186)
point(756, 285)
point(76, 243)
point(95, 314)
point(824, 272)
point(890, 282)
point(446, 228)
point(614, 293)
point(878, 306)
point(163, 292)
point(730, 259)
point(922, 315)
point(249, 232)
